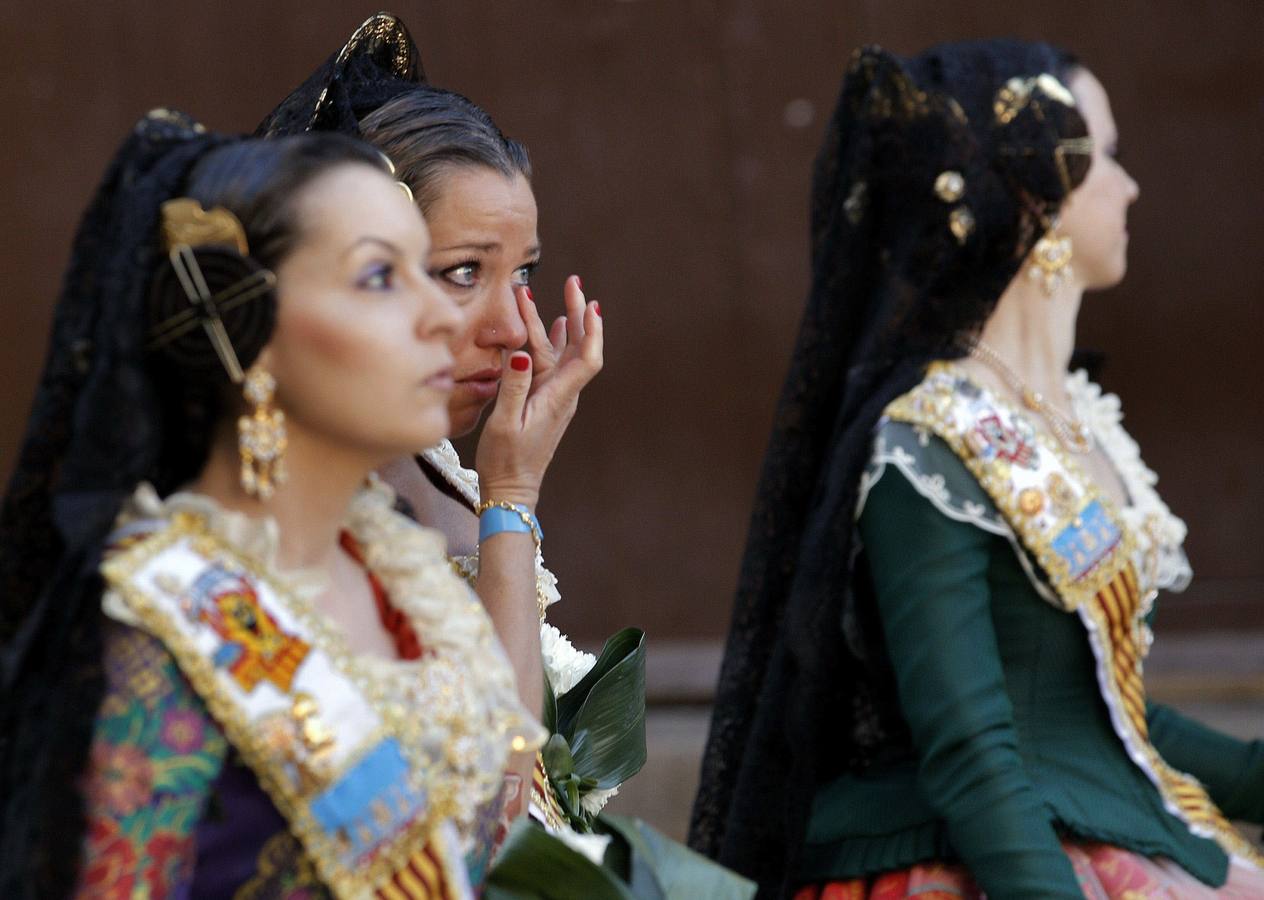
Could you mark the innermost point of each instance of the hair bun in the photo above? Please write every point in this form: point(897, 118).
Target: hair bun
point(242, 299)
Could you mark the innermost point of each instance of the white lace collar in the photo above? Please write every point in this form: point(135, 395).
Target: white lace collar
point(1159, 533)
point(445, 460)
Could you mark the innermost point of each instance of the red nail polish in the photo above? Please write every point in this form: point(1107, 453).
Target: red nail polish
point(530, 296)
point(520, 363)
point(579, 282)
point(597, 309)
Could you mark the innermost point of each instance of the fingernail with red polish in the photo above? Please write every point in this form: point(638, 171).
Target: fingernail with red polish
point(519, 362)
point(597, 308)
point(579, 282)
point(530, 296)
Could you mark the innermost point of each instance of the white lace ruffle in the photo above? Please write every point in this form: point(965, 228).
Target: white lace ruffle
point(564, 664)
point(1158, 532)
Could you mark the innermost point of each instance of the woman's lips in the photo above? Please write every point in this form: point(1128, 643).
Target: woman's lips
point(484, 384)
point(441, 381)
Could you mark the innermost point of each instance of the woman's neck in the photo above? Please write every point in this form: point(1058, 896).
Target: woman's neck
point(309, 509)
point(1034, 333)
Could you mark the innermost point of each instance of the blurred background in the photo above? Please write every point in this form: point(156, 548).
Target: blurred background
point(672, 141)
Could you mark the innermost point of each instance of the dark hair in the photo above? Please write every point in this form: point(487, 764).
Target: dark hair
point(425, 130)
point(261, 183)
point(108, 415)
point(806, 689)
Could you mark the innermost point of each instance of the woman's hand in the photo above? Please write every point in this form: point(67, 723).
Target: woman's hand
point(539, 393)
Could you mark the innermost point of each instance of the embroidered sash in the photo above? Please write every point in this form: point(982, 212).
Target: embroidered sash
point(341, 764)
point(1082, 547)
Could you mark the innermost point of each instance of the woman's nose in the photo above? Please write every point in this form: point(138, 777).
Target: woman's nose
point(500, 324)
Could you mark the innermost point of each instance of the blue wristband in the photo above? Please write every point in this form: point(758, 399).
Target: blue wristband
point(508, 517)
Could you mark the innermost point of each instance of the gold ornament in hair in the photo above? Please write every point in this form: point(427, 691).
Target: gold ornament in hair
point(1018, 93)
point(1080, 146)
point(185, 225)
point(402, 185)
point(184, 221)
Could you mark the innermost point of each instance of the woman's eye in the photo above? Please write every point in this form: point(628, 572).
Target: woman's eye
point(464, 275)
point(380, 278)
point(522, 274)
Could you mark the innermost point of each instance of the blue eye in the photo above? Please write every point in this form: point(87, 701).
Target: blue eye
point(522, 274)
point(462, 275)
point(379, 278)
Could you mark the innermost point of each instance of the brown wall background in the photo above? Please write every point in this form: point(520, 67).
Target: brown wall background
point(672, 141)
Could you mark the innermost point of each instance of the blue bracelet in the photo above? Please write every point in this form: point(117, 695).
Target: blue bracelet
point(497, 516)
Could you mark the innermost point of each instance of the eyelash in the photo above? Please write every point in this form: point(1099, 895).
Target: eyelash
point(447, 273)
point(386, 271)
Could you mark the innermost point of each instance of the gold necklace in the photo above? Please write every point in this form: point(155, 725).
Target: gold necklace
point(1070, 431)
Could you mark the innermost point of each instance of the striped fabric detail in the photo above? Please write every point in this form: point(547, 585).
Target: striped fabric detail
point(1118, 605)
point(421, 879)
point(544, 805)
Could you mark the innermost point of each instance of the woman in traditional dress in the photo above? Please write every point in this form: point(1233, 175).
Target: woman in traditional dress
point(473, 185)
point(933, 678)
point(234, 668)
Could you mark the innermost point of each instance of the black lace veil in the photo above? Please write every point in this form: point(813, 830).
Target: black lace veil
point(377, 64)
point(93, 434)
point(936, 176)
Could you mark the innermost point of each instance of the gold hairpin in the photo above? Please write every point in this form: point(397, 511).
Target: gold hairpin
point(185, 222)
point(1016, 94)
point(185, 225)
point(1081, 146)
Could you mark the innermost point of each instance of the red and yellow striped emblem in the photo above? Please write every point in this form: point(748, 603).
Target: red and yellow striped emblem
point(1116, 608)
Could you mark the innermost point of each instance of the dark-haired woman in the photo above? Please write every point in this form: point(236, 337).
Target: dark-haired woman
point(240, 672)
point(933, 680)
point(473, 185)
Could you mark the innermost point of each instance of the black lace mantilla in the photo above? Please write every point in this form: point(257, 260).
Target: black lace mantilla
point(924, 204)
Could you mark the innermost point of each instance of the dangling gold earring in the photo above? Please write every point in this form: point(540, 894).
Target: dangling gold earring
point(1051, 260)
point(261, 437)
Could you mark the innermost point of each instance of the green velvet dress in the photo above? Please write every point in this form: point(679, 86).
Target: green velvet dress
point(1015, 745)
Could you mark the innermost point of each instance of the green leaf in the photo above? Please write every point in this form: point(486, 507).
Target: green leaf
point(603, 717)
point(621, 645)
point(549, 716)
point(534, 865)
point(558, 762)
point(678, 872)
point(564, 783)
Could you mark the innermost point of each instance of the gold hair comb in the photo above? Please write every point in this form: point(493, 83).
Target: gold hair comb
point(1017, 93)
point(185, 222)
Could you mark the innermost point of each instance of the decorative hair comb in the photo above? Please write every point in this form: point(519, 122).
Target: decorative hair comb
point(185, 226)
point(1017, 93)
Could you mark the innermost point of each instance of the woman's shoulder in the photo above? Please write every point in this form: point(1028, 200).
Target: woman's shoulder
point(920, 436)
point(914, 453)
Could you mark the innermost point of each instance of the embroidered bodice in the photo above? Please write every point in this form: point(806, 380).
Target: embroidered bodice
point(1010, 599)
point(1156, 533)
point(446, 722)
point(1085, 555)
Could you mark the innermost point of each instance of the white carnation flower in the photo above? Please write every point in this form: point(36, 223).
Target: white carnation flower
point(595, 801)
point(564, 665)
